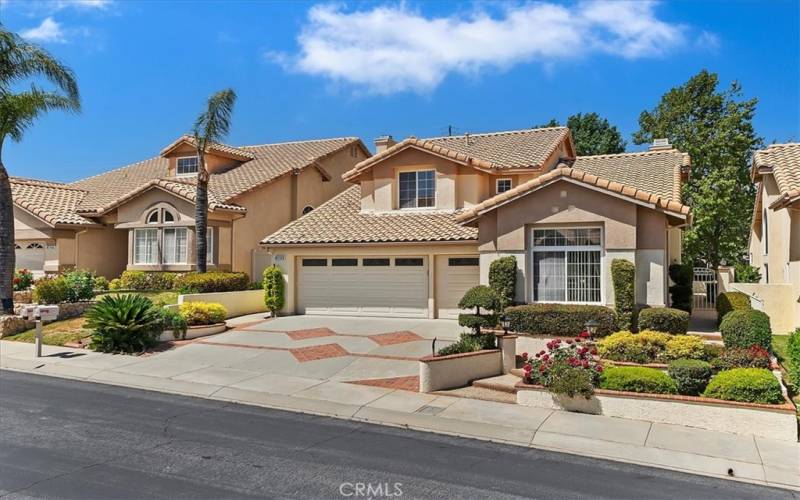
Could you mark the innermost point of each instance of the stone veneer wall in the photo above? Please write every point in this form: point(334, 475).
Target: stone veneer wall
point(13, 324)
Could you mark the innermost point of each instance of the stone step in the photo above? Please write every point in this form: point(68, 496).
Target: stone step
point(500, 383)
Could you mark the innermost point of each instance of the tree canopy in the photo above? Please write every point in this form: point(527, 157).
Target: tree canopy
point(593, 135)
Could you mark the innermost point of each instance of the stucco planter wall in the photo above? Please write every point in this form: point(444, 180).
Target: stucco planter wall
point(457, 370)
point(194, 332)
point(11, 324)
point(236, 303)
point(769, 421)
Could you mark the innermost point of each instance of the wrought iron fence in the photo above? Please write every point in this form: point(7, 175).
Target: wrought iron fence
point(704, 288)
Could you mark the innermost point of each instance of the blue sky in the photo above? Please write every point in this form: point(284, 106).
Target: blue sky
point(307, 70)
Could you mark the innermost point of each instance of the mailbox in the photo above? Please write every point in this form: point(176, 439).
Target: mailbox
point(28, 312)
point(47, 313)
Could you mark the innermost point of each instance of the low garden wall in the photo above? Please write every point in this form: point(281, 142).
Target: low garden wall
point(11, 324)
point(774, 299)
point(194, 332)
point(457, 370)
point(236, 303)
point(23, 297)
point(769, 421)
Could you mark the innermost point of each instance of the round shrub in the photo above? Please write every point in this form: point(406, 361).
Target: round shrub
point(664, 319)
point(51, 290)
point(731, 301)
point(637, 379)
point(642, 347)
point(690, 375)
point(748, 385)
point(126, 323)
point(684, 346)
point(560, 319)
point(101, 283)
point(746, 327)
point(482, 297)
point(503, 278)
point(203, 313)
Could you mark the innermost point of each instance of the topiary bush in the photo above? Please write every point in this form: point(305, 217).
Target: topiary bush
point(690, 375)
point(51, 290)
point(273, 289)
point(642, 347)
point(126, 323)
point(680, 292)
point(684, 346)
point(637, 379)
point(664, 319)
point(623, 276)
point(748, 385)
point(731, 301)
point(560, 319)
point(746, 327)
point(211, 282)
point(793, 359)
point(503, 279)
point(203, 313)
point(481, 298)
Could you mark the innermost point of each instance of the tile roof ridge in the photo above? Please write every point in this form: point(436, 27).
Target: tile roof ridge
point(781, 145)
point(633, 153)
point(130, 165)
point(43, 183)
point(349, 138)
point(501, 132)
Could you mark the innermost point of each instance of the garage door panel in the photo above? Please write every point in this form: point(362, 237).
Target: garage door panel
point(452, 282)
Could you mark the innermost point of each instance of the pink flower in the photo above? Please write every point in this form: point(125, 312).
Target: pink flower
point(569, 341)
point(546, 357)
point(524, 355)
point(599, 368)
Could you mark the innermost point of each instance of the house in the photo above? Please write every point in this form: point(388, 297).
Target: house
point(141, 216)
point(775, 235)
point(426, 217)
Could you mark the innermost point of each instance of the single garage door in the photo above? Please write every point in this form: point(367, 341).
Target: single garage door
point(454, 276)
point(30, 256)
point(368, 286)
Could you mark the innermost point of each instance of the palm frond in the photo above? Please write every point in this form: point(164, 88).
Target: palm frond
point(18, 111)
point(214, 123)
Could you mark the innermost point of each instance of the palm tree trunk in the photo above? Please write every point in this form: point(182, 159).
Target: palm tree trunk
point(201, 214)
point(7, 253)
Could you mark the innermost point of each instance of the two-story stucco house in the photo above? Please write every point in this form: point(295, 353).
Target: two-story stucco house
point(141, 216)
point(426, 217)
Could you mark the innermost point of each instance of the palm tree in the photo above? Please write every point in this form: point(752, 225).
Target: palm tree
point(20, 61)
point(210, 127)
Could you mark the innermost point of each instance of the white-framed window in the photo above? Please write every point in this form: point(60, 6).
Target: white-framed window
point(186, 165)
point(209, 245)
point(502, 185)
point(417, 189)
point(152, 217)
point(174, 246)
point(145, 246)
point(567, 265)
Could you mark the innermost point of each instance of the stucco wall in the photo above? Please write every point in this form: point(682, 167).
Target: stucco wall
point(458, 370)
point(104, 251)
point(28, 227)
point(236, 303)
point(777, 300)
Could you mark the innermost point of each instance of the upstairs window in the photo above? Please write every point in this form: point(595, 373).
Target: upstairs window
point(503, 185)
point(418, 189)
point(187, 165)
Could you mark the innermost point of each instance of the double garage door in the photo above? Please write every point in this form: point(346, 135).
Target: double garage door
point(380, 286)
point(30, 255)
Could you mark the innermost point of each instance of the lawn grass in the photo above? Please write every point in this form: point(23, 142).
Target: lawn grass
point(780, 344)
point(163, 298)
point(56, 333)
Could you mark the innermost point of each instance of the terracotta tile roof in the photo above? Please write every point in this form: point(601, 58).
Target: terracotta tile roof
point(270, 161)
point(784, 161)
point(493, 151)
point(340, 221)
point(215, 147)
point(52, 202)
point(564, 172)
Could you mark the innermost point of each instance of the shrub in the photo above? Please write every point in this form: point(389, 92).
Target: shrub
point(479, 297)
point(80, 284)
point(560, 319)
point(273, 289)
point(172, 320)
point(623, 275)
point(23, 279)
point(664, 319)
point(737, 357)
point(712, 351)
point(503, 279)
point(144, 281)
point(210, 282)
point(566, 367)
point(682, 276)
point(115, 284)
point(571, 381)
point(51, 290)
point(126, 323)
point(637, 379)
point(731, 301)
point(746, 327)
point(745, 273)
point(690, 375)
point(642, 347)
point(748, 385)
point(793, 361)
point(468, 342)
point(684, 346)
point(100, 283)
point(203, 313)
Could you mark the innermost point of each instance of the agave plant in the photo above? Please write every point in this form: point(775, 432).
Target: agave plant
point(126, 323)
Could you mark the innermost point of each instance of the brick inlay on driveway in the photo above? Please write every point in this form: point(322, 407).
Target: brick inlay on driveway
point(314, 353)
point(312, 333)
point(404, 383)
point(395, 338)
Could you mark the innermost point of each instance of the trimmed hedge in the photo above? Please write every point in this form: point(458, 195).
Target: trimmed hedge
point(748, 385)
point(746, 327)
point(468, 342)
point(690, 375)
point(637, 379)
point(664, 319)
point(210, 282)
point(731, 301)
point(143, 281)
point(560, 319)
point(203, 313)
point(623, 276)
point(503, 278)
point(642, 347)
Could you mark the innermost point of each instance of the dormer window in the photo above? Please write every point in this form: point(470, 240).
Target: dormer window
point(186, 165)
point(417, 189)
point(503, 185)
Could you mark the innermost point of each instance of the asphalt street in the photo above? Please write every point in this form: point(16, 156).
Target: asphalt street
point(67, 439)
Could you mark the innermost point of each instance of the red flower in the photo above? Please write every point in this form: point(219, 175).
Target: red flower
point(569, 341)
point(527, 368)
point(584, 335)
point(524, 355)
point(546, 357)
point(585, 364)
point(599, 368)
point(594, 351)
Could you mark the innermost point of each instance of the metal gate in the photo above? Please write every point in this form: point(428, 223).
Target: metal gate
point(704, 288)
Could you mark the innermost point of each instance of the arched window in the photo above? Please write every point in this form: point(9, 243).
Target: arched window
point(152, 217)
point(34, 245)
point(17, 247)
point(168, 216)
point(307, 209)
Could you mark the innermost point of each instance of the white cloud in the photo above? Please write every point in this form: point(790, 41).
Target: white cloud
point(390, 49)
point(49, 31)
point(83, 4)
point(52, 6)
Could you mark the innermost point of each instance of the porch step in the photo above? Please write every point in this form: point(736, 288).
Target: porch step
point(482, 393)
point(500, 383)
point(707, 335)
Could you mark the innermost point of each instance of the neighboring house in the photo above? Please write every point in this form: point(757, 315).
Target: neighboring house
point(141, 216)
point(775, 234)
point(428, 216)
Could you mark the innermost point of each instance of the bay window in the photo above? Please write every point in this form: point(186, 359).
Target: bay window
point(145, 246)
point(417, 189)
point(209, 245)
point(567, 265)
point(175, 245)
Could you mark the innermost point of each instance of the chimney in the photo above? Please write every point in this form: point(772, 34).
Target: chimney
point(383, 143)
point(661, 145)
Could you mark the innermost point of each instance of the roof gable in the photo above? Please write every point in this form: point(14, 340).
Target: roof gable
point(52, 202)
point(783, 162)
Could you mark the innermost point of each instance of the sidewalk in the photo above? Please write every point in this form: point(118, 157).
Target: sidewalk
point(683, 449)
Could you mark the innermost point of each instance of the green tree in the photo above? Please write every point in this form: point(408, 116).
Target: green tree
point(210, 128)
point(716, 128)
point(21, 61)
point(593, 135)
